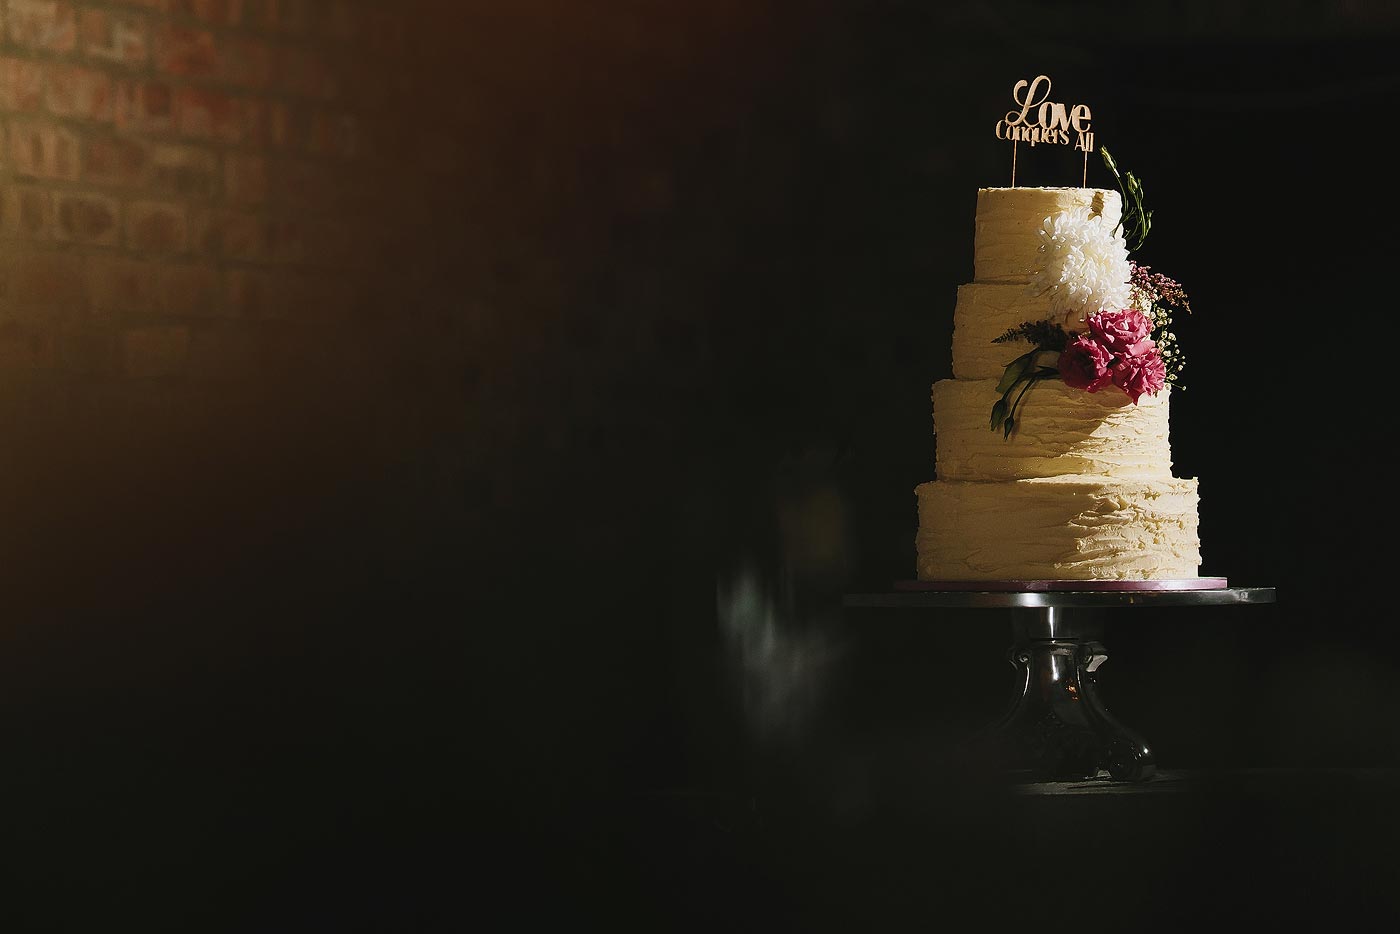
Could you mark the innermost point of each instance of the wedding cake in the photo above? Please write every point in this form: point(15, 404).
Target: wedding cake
point(1061, 345)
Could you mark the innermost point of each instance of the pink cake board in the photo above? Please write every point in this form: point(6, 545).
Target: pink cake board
point(1192, 583)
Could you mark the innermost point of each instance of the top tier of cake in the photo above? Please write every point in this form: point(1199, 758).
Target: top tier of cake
point(1009, 222)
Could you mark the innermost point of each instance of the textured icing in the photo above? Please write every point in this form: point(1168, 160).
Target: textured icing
point(1007, 238)
point(1058, 528)
point(984, 312)
point(1059, 431)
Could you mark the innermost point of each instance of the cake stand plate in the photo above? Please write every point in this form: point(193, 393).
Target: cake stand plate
point(1192, 583)
point(1057, 728)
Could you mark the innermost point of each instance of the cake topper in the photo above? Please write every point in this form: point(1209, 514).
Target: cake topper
point(1041, 120)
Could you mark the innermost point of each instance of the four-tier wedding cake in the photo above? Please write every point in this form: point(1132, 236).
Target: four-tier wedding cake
point(1053, 460)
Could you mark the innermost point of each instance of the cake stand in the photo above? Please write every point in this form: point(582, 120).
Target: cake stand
point(1057, 728)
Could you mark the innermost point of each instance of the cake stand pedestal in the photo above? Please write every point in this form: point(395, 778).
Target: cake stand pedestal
point(1057, 728)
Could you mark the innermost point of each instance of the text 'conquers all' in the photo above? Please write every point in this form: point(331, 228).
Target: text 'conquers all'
point(1041, 120)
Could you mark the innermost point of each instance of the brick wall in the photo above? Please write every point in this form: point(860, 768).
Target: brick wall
point(201, 226)
point(172, 165)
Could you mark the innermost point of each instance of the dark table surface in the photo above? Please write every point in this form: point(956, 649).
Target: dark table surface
point(1258, 846)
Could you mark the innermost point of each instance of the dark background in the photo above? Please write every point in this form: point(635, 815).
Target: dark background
point(674, 326)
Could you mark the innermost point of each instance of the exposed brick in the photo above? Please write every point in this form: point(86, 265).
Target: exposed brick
point(210, 114)
point(49, 25)
point(384, 31)
point(43, 281)
point(121, 285)
point(223, 354)
point(306, 73)
point(277, 297)
point(116, 160)
point(75, 91)
point(177, 206)
point(151, 352)
point(289, 17)
point(332, 243)
point(184, 170)
point(286, 240)
point(86, 218)
point(21, 84)
point(334, 134)
point(246, 62)
point(185, 51)
point(253, 123)
point(113, 37)
point(260, 14)
point(144, 106)
point(217, 12)
point(326, 297)
point(307, 297)
point(26, 211)
point(245, 178)
point(187, 290)
point(43, 150)
point(305, 184)
point(439, 152)
point(287, 125)
point(27, 347)
point(206, 113)
point(339, 20)
point(249, 293)
point(229, 234)
point(84, 350)
point(156, 227)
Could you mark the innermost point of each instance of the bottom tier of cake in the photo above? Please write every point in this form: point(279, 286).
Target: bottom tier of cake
point(1058, 528)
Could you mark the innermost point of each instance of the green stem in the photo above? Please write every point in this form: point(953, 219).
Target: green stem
point(1011, 412)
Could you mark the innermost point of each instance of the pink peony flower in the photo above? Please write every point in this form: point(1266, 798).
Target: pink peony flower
point(1085, 363)
point(1123, 333)
point(1140, 374)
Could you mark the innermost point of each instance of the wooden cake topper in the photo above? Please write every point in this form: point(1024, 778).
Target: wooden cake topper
point(1041, 120)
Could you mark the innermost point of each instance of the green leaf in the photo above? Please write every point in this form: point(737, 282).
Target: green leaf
point(998, 412)
point(1006, 427)
point(1135, 216)
point(1014, 371)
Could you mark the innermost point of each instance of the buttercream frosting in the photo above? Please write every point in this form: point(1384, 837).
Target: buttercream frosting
point(1059, 431)
point(984, 312)
point(1058, 528)
point(1006, 236)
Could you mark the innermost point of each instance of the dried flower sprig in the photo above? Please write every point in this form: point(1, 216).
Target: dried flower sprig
point(1160, 298)
point(1037, 332)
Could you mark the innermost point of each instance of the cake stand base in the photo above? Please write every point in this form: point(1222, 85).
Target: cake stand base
point(1058, 728)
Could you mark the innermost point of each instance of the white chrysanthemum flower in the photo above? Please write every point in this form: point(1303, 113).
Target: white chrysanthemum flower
point(1082, 266)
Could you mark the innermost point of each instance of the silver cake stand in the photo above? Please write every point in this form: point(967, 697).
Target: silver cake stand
point(1056, 728)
